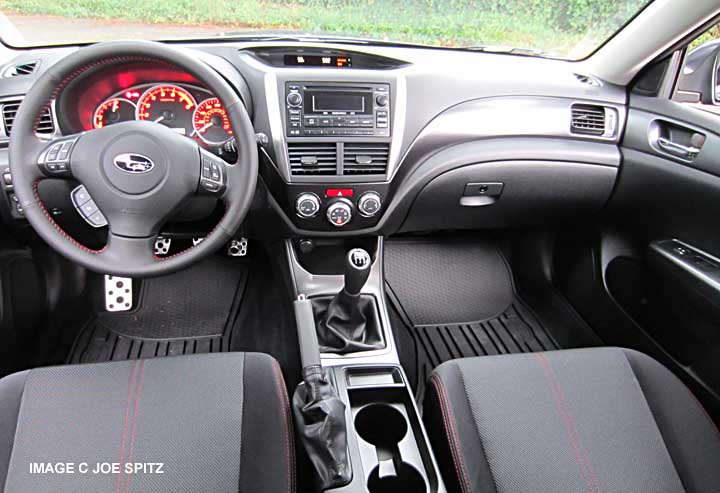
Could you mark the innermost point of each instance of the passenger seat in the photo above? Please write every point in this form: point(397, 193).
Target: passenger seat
point(600, 419)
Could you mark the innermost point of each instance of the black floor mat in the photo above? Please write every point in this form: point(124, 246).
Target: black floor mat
point(191, 311)
point(456, 299)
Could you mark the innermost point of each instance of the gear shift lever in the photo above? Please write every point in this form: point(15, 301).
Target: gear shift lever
point(357, 270)
point(350, 323)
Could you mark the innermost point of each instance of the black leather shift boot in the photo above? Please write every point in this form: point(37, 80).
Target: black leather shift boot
point(320, 418)
point(347, 323)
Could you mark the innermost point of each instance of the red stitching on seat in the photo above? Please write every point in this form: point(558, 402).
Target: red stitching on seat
point(453, 440)
point(134, 425)
point(586, 470)
point(287, 425)
point(124, 428)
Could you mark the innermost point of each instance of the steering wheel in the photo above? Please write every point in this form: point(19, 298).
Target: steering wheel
point(137, 173)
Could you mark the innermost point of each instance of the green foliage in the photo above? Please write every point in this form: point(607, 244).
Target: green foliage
point(552, 25)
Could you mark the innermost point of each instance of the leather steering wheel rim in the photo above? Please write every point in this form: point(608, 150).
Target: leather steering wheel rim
point(124, 254)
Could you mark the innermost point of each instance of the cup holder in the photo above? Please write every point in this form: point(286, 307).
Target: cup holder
point(381, 425)
point(384, 427)
point(407, 479)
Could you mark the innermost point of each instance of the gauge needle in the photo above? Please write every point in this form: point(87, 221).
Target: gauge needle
point(205, 127)
point(160, 119)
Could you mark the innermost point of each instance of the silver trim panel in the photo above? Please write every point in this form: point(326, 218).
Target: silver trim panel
point(312, 285)
point(711, 279)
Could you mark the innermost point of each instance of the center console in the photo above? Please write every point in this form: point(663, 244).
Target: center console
point(333, 145)
point(387, 447)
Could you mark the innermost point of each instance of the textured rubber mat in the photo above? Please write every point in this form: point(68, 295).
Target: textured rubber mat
point(515, 331)
point(456, 299)
point(448, 282)
point(188, 312)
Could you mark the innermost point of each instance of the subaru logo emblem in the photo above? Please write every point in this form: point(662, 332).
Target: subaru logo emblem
point(133, 163)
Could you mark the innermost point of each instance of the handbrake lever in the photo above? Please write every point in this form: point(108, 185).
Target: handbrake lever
point(319, 412)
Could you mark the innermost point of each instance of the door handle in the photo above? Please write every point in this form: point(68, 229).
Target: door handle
point(688, 152)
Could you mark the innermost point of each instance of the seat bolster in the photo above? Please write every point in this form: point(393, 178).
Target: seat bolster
point(690, 435)
point(268, 451)
point(452, 432)
point(11, 391)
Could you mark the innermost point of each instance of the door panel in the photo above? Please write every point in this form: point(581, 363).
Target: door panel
point(667, 204)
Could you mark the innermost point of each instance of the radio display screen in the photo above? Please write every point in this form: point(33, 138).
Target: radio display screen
point(323, 102)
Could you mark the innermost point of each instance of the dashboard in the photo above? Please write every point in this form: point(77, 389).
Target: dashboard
point(360, 140)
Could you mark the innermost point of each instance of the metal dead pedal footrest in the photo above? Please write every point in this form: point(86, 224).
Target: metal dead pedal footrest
point(118, 293)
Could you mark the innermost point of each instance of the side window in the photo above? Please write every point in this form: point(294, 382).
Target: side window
point(699, 80)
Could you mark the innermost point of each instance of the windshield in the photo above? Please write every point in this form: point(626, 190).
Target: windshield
point(569, 29)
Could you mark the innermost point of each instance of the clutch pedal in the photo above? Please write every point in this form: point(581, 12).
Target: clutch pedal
point(118, 293)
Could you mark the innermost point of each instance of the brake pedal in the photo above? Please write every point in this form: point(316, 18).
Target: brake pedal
point(118, 293)
point(162, 245)
point(238, 248)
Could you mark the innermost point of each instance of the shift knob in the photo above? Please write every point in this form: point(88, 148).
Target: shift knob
point(357, 270)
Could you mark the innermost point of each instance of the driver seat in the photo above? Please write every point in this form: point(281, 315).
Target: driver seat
point(216, 422)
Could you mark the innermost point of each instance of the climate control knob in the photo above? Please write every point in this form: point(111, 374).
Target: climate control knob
point(340, 213)
point(369, 204)
point(307, 205)
point(294, 99)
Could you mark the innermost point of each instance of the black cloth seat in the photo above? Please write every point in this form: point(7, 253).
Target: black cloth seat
point(600, 419)
point(216, 422)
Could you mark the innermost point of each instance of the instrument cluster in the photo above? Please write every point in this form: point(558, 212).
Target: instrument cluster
point(185, 108)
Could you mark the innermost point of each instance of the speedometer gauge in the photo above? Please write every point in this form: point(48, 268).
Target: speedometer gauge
point(113, 110)
point(169, 105)
point(211, 122)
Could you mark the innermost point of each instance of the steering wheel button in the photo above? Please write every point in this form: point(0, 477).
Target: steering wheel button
point(80, 196)
point(89, 208)
point(210, 186)
point(97, 220)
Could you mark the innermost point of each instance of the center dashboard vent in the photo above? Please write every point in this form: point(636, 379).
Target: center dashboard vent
point(588, 119)
point(46, 124)
point(312, 158)
point(365, 158)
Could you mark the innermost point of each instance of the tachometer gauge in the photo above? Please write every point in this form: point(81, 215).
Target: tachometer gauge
point(169, 105)
point(113, 110)
point(211, 122)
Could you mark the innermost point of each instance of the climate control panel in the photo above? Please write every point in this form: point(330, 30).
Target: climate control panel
point(337, 208)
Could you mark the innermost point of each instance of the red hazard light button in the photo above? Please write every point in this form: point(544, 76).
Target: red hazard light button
point(339, 192)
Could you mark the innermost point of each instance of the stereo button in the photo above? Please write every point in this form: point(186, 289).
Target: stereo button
point(294, 99)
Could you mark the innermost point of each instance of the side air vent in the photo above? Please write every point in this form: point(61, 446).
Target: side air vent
point(9, 110)
point(365, 158)
point(312, 158)
point(586, 79)
point(588, 119)
point(20, 69)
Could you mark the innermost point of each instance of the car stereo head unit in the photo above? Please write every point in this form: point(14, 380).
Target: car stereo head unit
point(322, 109)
